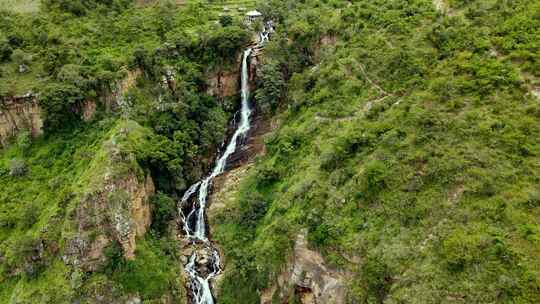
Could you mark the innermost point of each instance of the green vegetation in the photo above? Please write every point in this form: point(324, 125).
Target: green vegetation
point(236, 8)
point(56, 193)
point(20, 6)
point(410, 143)
point(408, 148)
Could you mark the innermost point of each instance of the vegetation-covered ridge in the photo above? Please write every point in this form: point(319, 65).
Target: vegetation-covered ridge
point(88, 209)
point(409, 151)
point(404, 168)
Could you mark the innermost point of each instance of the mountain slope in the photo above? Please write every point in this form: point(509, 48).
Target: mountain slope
point(408, 156)
point(88, 202)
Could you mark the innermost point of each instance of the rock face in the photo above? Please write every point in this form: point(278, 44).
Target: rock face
point(19, 113)
point(131, 215)
point(114, 207)
point(309, 278)
point(88, 110)
point(223, 84)
point(113, 99)
point(120, 212)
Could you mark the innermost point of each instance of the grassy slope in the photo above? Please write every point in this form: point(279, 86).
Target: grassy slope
point(434, 185)
point(65, 164)
point(30, 203)
point(20, 6)
point(61, 170)
point(235, 8)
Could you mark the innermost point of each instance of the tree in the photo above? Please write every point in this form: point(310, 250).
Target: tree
point(164, 211)
point(225, 20)
point(5, 49)
point(271, 85)
point(21, 57)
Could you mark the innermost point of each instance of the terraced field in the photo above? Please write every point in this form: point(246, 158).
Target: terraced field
point(232, 7)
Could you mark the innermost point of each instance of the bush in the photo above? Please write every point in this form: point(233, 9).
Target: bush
point(5, 50)
point(81, 7)
point(460, 250)
point(21, 57)
point(17, 167)
point(164, 210)
point(24, 141)
point(29, 217)
point(267, 175)
point(26, 255)
point(375, 174)
point(225, 20)
point(377, 276)
point(59, 102)
point(321, 235)
point(253, 208)
point(533, 200)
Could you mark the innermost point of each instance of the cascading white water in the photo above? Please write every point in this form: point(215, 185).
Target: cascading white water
point(243, 128)
point(200, 285)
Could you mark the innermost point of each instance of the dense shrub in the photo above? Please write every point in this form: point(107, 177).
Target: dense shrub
point(5, 49)
point(163, 212)
point(17, 167)
point(374, 177)
point(378, 278)
point(270, 87)
point(81, 7)
point(461, 250)
point(24, 141)
point(253, 209)
point(21, 57)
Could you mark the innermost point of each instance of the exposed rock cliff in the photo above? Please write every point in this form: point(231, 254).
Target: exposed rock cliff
point(19, 113)
point(115, 208)
point(114, 97)
point(309, 278)
point(223, 84)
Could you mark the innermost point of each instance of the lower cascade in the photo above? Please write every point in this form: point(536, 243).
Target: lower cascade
point(204, 263)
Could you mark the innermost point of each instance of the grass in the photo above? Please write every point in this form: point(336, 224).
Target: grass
point(20, 6)
point(30, 202)
point(15, 83)
point(432, 188)
point(43, 205)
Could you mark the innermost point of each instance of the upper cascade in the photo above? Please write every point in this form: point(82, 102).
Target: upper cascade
point(204, 263)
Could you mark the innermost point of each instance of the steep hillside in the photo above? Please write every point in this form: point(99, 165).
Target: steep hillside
point(123, 114)
point(406, 165)
point(392, 155)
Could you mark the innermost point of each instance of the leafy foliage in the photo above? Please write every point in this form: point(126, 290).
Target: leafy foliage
point(108, 58)
point(408, 141)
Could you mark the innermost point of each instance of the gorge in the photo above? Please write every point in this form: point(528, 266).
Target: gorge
point(204, 263)
point(373, 151)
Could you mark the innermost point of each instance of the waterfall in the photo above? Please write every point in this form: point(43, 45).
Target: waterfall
point(194, 224)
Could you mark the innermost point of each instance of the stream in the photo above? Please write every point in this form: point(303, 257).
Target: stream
point(204, 264)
